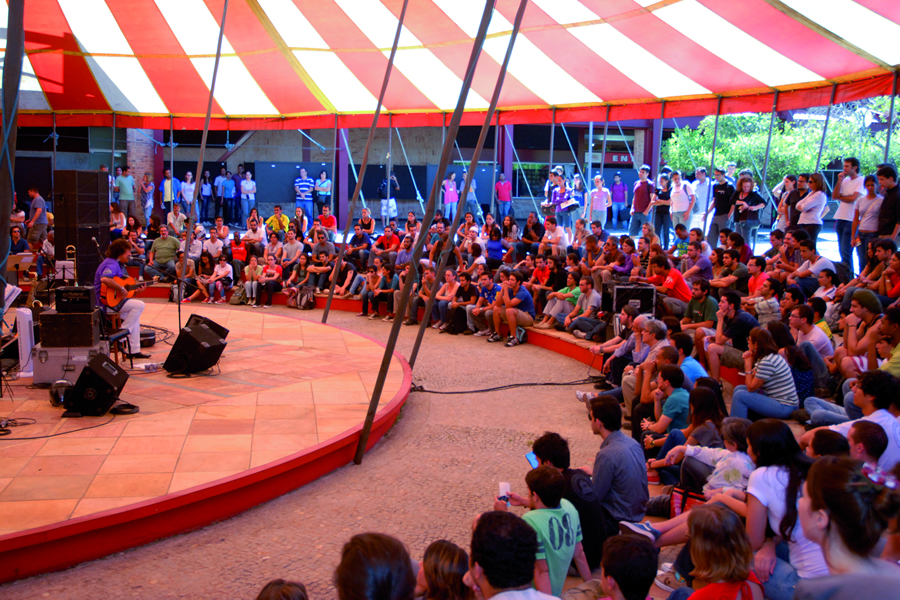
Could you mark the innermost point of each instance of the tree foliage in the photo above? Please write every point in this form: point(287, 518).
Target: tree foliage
point(854, 129)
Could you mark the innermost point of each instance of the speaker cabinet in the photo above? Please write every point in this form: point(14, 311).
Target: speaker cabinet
point(82, 198)
point(87, 258)
point(196, 349)
point(97, 388)
point(197, 320)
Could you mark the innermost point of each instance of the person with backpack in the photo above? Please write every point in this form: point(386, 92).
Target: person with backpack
point(386, 191)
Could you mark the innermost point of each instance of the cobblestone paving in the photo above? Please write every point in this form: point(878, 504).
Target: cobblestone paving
point(434, 471)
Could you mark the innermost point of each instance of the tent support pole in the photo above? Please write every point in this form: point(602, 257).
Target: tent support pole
point(590, 154)
point(765, 173)
point(388, 166)
point(12, 75)
point(825, 128)
point(712, 160)
point(112, 154)
point(53, 172)
point(887, 146)
point(494, 167)
point(552, 137)
point(470, 174)
point(362, 167)
point(194, 211)
point(603, 149)
point(400, 309)
point(634, 164)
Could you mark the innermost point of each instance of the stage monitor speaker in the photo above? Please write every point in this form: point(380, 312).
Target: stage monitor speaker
point(87, 257)
point(97, 388)
point(196, 349)
point(82, 198)
point(197, 320)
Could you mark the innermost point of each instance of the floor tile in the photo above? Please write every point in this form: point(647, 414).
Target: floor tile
point(197, 462)
point(11, 466)
point(285, 412)
point(50, 466)
point(122, 485)
point(217, 443)
point(284, 442)
point(183, 481)
point(139, 463)
point(89, 506)
point(46, 488)
point(63, 446)
point(146, 428)
point(219, 411)
point(36, 513)
point(285, 426)
point(149, 445)
point(222, 427)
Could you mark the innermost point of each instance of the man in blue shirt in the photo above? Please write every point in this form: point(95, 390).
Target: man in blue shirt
point(303, 188)
point(517, 309)
point(692, 369)
point(479, 316)
point(117, 255)
point(358, 247)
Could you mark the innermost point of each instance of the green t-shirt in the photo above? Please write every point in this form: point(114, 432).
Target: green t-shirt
point(164, 249)
point(677, 407)
point(743, 276)
point(575, 291)
point(558, 530)
point(126, 187)
point(699, 312)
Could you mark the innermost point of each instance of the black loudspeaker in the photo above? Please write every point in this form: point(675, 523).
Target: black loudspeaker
point(197, 320)
point(82, 198)
point(87, 257)
point(197, 348)
point(97, 388)
point(76, 299)
point(70, 330)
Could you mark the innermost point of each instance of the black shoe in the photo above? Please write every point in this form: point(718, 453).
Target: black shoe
point(137, 355)
point(603, 386)
point(410, 322)
point(468, 332)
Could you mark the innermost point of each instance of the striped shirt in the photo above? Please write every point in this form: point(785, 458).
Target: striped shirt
point(767, 310)
point(778, 382)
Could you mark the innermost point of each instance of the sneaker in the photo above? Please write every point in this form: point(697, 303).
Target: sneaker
point(185, 300)
point(495, 337)
point(585, 396)
point(512, 341)
point(373, 316)
point(603, 386)
point(388, 318)
point(652, 477)
point(669, 582)
point(483, 333)
point(468, 332)
point(437, 325)
point(410, 322)
point(267, 306)
point(141, 278)
point(643, 529)
point(579, 334)
point(220, 301)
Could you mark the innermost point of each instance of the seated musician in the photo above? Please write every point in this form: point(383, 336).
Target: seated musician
point(111, 269)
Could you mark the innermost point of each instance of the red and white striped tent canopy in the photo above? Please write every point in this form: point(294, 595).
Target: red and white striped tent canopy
point(290, 64)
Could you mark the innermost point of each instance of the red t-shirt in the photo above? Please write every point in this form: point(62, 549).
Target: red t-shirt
point(676, 286)
point(385, 244)
point(267, 270)
point(239, 251)
point(754, 283)
point(726, 591)
point(328, 221)
point(542, 275)
point(504, 191)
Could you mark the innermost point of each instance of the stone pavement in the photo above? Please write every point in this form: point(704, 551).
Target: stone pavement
point(436, 469)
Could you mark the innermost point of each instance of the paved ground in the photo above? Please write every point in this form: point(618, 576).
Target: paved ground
point(436, 469)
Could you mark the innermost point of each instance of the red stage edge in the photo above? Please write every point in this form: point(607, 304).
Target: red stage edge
point(66, 544)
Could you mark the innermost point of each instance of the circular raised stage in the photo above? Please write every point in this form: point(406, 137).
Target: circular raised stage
point(287, 408)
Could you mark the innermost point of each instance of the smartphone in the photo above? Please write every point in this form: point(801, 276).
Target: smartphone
point(504, 491)
point(532, 460)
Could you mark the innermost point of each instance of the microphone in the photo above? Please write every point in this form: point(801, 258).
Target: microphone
point(100, 252)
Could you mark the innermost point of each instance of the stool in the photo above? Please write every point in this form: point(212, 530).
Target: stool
point(117, 334)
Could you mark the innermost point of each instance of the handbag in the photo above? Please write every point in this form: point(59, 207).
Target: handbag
point(238, 297)
point(682, 501)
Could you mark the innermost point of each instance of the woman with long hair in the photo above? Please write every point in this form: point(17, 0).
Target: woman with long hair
point(116, 221)
point(374, 566)
point(451, 196)
point(441, 573)
point(206, 267)
point(715, 258)
point(846, 508)
point(662, 216)
point(510, 230)
point(649, 231)
point(814, 206)
point(147, 187)
point(769, 388)
point(205, 197)
point(252, 273)
point(773, 491)
point(747, 204)
point(132, 224)
point(865, 221)
point(254, 216)
point(153, 227)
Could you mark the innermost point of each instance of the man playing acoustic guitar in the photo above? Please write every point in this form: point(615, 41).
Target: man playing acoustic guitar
point(111, 269)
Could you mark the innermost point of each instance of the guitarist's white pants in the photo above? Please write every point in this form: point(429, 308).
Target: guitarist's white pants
point(131, 320)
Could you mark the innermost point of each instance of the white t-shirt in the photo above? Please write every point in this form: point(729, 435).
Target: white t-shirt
point(214, 248)
point(868, 213)
point(817, 267)
point(224, 269)
point(850, 187)
point(557, 238)
point(220, 184)
point(768, 484)
point(600, 199)
point(891, 427)
point(187, 191)
point(818, 339)
point(248, 189)
point(681, 197)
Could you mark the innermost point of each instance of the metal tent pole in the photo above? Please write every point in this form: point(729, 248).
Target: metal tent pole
point(572, 150)
point(887, 146)
point(55, 137)
point(388, 166)
point(362, 197)
point(212, 90)
point(603, 151)
point(448, 247)
point(537, 209)
point(334, 168)
point(765, 173)
point(112, 161)
point(825, 128)
point(494, 166)
point(429, 215)
point(634, 164)
point(365, 161)
point(712, 161)
point(12, 75)
point(552, 137)
point(590, 153)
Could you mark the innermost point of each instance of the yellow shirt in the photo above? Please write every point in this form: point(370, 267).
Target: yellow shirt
point(276, 224)
point(892, 365)
point(824, 327)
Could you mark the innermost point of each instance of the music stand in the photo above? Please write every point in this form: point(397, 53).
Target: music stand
point(15, 261)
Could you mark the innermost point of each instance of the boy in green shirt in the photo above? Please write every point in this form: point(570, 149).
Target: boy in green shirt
point(555, 520)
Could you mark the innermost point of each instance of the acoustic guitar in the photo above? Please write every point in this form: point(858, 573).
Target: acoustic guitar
point(114, 299)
